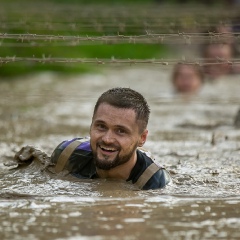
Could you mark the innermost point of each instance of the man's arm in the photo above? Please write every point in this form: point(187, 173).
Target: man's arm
point(27, 154)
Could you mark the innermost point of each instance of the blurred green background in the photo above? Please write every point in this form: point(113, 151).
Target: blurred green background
point(88, 18)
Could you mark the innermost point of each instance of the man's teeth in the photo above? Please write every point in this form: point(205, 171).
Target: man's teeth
point(108, 149)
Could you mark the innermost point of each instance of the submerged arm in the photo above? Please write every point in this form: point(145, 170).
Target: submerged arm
point(27, 154)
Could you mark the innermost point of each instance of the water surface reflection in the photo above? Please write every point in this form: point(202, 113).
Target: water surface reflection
point(194, 137)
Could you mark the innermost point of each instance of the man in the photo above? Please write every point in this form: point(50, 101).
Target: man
point(218, 55)
point(187, 78)
point(118, 130)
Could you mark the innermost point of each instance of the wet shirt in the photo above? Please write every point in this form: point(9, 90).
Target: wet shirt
point(81, 164)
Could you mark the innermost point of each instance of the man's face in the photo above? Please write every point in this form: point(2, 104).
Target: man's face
point(187, 80)
point(114, 136)
point(222, 51)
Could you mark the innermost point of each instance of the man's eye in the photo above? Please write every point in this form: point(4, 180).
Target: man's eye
point(101, 126)
point(121, 131)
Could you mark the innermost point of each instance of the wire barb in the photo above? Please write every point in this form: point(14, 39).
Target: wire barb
point(164, 62)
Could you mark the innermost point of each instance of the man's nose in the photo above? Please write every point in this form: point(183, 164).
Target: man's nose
point(108, 137)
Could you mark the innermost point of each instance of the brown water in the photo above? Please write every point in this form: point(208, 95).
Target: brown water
point(193, 137)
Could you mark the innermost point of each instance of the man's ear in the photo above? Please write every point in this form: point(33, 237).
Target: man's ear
point(143, 138)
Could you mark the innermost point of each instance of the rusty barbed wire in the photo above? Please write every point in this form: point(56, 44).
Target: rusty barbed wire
point(117, 25)
point(102, 19)
point(160, 26)
point(166, 62)
point(96, 11)
point(110, 23)
point(32, 40)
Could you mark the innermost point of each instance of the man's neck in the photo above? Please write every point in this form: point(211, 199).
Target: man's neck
point(120, 172)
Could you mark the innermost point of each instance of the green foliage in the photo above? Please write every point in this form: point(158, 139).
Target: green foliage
point(120, 51)
point(26, 19)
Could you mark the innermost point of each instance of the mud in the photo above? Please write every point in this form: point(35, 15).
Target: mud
point(194, 137)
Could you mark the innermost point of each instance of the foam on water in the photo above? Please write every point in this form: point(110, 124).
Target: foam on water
point(194, 138)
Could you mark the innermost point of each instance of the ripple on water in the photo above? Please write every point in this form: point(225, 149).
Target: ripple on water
point(193, 138)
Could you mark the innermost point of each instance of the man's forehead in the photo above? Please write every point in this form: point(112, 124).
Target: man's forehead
point(119, 115)
point(106, 107)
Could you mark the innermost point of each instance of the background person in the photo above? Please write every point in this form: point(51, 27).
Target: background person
point(217, 60)
point(187, 78)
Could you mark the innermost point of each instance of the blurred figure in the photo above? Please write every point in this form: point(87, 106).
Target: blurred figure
point(237, 120)
point(187, 78)
point(226, 33)
point(221, 52)
point(217, 55)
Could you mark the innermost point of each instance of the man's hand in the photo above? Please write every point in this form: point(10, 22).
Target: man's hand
point(27, 154)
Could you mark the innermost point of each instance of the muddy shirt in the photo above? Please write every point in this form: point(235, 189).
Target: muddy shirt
point(81, 164)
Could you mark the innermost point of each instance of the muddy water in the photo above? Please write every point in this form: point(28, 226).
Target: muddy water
point(194, 137)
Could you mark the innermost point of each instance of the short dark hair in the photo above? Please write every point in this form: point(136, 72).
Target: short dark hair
point(128, 99)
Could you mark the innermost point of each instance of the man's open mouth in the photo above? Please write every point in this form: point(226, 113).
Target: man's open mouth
point(108, 149)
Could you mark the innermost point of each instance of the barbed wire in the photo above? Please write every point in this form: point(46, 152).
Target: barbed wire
point(160, 26)
point(56, 17)
point(117, 25)
point(111, 22)
point(105, 11)
point(166, 62)
point(30, 40)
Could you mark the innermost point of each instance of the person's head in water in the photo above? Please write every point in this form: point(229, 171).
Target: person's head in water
point(216, 56)
point(187, 78)
point(119, 126)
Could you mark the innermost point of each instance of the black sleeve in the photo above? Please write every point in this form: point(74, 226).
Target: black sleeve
point(78, 162)
point(159, 180)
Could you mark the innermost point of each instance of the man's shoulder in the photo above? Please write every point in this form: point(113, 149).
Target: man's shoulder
point(147, 157)
point(153, 175)
point(72, 154)
point(80, 143)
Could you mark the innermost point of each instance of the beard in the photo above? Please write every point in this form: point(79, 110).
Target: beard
point(105, 164)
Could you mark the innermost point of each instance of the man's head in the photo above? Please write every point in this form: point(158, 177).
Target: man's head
point(118, 127)
point(127, 98)
point(187, 78)
point(215, 53)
